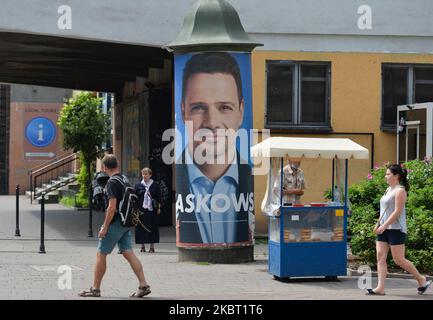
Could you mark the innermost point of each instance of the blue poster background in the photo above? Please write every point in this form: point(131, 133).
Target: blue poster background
point(244, 62)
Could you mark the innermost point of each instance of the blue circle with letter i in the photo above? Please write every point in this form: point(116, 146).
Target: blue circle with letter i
point(40, 132)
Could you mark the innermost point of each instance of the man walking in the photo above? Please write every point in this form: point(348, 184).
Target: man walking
point(113, 232)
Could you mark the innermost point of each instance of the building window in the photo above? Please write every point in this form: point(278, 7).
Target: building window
point(423, 77)
point(298, 95)
point(404, 84)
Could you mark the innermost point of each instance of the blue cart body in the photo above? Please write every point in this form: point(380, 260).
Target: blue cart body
point(307, 259)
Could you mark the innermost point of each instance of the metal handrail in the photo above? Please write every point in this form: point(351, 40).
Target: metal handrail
point(48, 165)
point(51, 167)
point(39, 166)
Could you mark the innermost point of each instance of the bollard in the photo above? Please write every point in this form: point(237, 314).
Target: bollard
point(42, 246)
point(17, 212)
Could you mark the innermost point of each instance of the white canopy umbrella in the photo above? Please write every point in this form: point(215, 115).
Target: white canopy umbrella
point(326, 148)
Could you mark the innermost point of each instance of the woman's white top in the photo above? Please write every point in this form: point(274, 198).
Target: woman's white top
point(147, 200)
point(387, 207)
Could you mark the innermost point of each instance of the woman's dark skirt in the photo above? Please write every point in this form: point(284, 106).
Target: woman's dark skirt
point(150, 219)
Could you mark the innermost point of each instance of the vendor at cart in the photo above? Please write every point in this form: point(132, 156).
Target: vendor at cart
point(294, 182)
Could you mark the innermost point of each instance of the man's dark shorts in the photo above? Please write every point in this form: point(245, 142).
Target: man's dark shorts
point(392, 237)
point(117, 234)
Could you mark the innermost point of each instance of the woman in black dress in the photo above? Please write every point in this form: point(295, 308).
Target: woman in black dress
point(149, 195)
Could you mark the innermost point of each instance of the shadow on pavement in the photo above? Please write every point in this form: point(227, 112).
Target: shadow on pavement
point(71, 225)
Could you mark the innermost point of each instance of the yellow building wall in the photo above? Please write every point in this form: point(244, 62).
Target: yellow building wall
point(356, 99)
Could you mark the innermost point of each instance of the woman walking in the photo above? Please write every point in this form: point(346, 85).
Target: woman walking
point(149, 195)
point(391, 230)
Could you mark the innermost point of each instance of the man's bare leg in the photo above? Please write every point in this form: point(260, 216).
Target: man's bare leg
point(100, 268)
point(136, 266)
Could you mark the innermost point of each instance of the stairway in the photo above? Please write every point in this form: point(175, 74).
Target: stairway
point(55, 189)
point(65, 168)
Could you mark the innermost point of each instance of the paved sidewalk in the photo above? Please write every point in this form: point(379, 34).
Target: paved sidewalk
point(25, 274)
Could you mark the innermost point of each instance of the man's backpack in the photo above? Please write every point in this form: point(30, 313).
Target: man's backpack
point(129, 205)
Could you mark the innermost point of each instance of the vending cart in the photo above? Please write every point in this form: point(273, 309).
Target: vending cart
point(307, 239)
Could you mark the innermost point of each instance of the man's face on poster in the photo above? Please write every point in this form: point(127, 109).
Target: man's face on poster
point(212, 103)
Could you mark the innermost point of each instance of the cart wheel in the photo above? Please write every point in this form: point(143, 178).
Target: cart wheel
point(282, 279)
point(331, 278)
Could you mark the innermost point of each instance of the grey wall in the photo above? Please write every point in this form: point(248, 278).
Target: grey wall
point(338, 17)
point(35, 94)
point(398, 25)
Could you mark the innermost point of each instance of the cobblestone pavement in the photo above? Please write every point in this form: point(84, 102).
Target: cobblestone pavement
point(21, 266)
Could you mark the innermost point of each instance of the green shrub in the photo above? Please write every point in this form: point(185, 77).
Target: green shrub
point(68, 201)
point(74, 202)
point(365, 197)
point(82, 203)
point(370, 190)
point(83, 181)
point(362, 237)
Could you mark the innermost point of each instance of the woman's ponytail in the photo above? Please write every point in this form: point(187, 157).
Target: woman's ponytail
point(397, 169)
point(403, 180)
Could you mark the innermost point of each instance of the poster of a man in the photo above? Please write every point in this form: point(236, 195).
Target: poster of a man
point(214, 198)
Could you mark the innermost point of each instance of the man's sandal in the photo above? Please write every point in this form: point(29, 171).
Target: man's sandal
point(141, 292)
point(91, 292)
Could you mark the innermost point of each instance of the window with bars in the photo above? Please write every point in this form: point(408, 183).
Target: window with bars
point(297, 95)
point(404, 84)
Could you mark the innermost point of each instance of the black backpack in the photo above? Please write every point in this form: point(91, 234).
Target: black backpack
point(129, 205)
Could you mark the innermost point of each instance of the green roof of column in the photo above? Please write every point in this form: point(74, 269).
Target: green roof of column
point(212, 25)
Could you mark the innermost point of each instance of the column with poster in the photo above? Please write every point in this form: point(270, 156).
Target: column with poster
point(213, 114)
